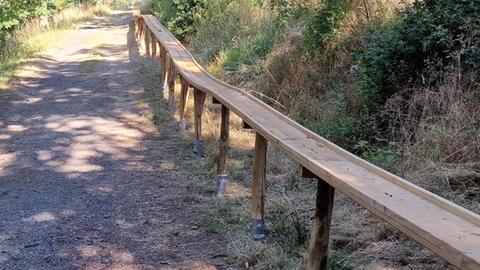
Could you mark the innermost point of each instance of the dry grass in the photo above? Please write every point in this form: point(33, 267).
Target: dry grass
point(440, 134)
point(359, 240)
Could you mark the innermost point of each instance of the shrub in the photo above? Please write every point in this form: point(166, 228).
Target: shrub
point(325, 25)
point(429, 36)
point(178, 15)
point(247, 51)
point(13, 13)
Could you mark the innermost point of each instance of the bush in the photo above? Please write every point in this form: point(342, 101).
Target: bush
point(13, 13)
point(178, 15)
point(325, 25)
point(247, 51)
point(429, 36)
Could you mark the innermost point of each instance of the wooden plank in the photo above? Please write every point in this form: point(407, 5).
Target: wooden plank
point(198, 104)
point(183, 103)
point(223, 143)
point(423, 216)
point(320, 234)
point(258, 187)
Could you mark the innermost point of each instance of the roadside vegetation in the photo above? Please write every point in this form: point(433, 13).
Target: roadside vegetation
point(395, 82)
point(29, 26)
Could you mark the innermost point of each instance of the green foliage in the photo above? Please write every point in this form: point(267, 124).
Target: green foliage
point(247, 51)
point(19, 44)
point(222, 25)
point(292, 11)
point(290, 231)
point(165, 10)
point(429, 36)
point(325, 25)
point(179, 15)
point(382, 152)
point(12, 13)
point(186, 12)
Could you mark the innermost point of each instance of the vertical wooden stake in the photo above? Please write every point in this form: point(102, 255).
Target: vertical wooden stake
point(183, 103)
point(171, 88)
point(154, 46)
point(147, 40)
point(165, 71)
point(224, 136)
point(138, 28)
point(258, 188)
point(318, 252)
point(160, 54)
point(221, 180)
point(163, 62)
point(199, 101)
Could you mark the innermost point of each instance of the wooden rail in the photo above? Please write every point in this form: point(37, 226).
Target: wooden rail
point(445, 228)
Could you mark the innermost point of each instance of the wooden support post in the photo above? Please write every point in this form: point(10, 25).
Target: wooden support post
point(224, 136)
point(160, 54)
point(258, 188)
point(163, 63)
point(154, 46)
point(198, 103)
point(171, 88)
point(318, 251)
point(183, 103)
point(159, 48)
point(147, 40)
point(165, 71)
point(138, 27)
point(222, 178)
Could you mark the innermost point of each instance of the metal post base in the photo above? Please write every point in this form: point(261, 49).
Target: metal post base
point(221, 184)
point(258, 229)
point(198, 148)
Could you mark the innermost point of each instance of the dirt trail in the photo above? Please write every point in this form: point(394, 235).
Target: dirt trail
point(85, 181)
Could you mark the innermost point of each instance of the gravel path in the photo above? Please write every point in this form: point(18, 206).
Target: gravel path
point(85, 181)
